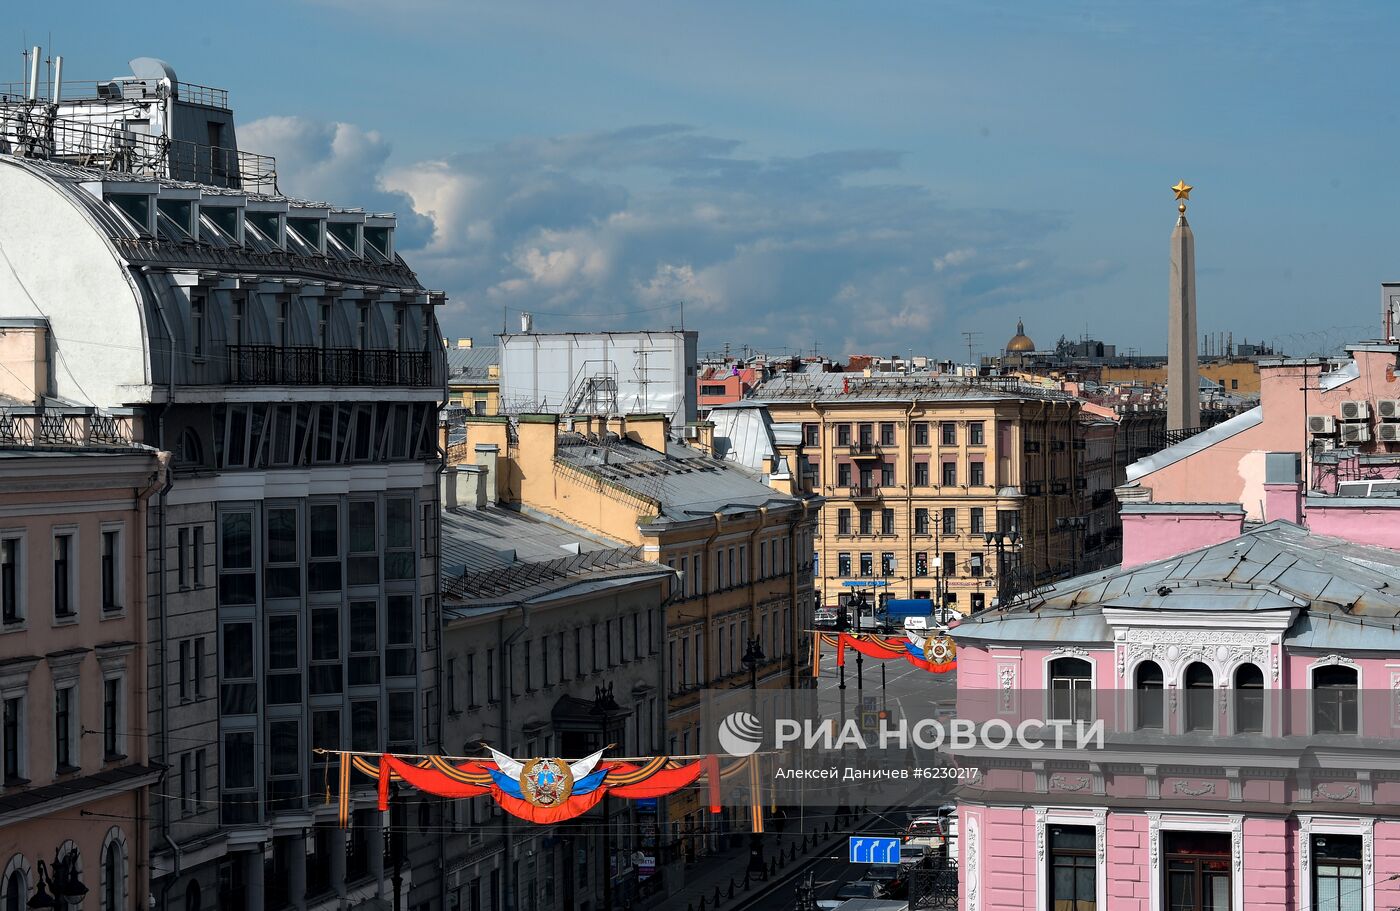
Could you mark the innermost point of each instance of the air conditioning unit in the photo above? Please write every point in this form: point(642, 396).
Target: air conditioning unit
point(1081, 483)
point(1322, 424)
point(1358, 410)
point(1356, 433)
point(1033, 489)
point(1058, 487)
point(1388, 409)
point(1388, 433)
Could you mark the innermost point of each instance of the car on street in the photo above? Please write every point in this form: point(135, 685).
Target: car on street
point(913, 855)
point(861, 888)
point(826, 618)
point(926, 831)
point(893, 878)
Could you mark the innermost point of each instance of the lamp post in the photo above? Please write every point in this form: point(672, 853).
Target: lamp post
point(753, 656)
point(1076, 526)
point(1000, 541)
point(62, 882)
point(604, 705)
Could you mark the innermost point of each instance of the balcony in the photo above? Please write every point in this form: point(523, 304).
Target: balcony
point(859, 492)
point(272, 365)
point(865, 449)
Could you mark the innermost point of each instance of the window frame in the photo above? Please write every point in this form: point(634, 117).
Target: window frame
point(115, 533)
point(1050, 677)
point(71, 587)
point(17, 613)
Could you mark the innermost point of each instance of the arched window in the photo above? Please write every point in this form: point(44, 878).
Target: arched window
point(114, 871)
point(1249, 699)
point(1071, 693)
point(192, 896)
point(16, 886)
point(1200, 698)
point(1148, 684)
point(1334, 699)
point(191, 449)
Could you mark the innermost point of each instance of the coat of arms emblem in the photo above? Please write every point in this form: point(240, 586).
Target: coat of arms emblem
point(546, 782)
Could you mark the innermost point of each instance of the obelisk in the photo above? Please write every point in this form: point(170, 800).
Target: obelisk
point(1183, 376)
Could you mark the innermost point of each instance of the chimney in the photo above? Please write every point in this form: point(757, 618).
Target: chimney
point(651, 430)
point(464, 343)
point(24, 350)
point(488, 457)
point(1156, 531)
point(1283, 487)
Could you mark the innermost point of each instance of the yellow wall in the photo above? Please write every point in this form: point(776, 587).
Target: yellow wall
point(1240, 377)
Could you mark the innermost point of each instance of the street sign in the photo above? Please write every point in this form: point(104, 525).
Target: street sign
point(871, 850)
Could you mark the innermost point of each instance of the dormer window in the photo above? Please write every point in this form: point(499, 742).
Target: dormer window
point(310, 231)
point(379, 239)
point(220, 225)
point(267, 226)
point(136, 207)
point(175, 219)
point(347, 235)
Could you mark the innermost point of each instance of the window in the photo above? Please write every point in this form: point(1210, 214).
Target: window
point(403, 717)
point(920, 474)
point(182, 558)
point(976, 474)
point(949, 564)
point(65, 716)
point(113, 877)
point(887, 564)
point(886, 474)
point(64, 603)
point(887, 521)
point(400, 653)
point(843, 434)
point(282, 577)
point(1197, 871)
point(843, 474)
point(975, 522)
point(843, 565)
point(364, 724)
point(16, 890)
point(978, 601)
point(974, 434)
point(111, 570)
point(811, 435)
point(867, 565)
point(323, 569)
point(921, 525)
point(283, 664)
point(10, 580)
point(237, 581)
point(921, 434)
point(399, 559)
point(1334, 699)
point(238, 694)
point(1148, 687)
point(1199, 684)
point(1249, 699)
point(364, 643)
point(1071, 696)
point(867, 522)
point(1073, 869)
point(921, 563)
point(14, 731)
point(363, 570)
point(843, 521)
point(112, 738)
point(948, 432)
point(1337, 883)
point(950, 521)
point(950, 474)
point(197, 556)
point(974, 565)
point(886, 434)
point(197, 325)
point(239, 760)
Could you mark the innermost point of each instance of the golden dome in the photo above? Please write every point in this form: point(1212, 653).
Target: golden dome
point(1020, 342)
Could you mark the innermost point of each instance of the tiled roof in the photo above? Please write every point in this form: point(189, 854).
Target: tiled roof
point(1339, 588)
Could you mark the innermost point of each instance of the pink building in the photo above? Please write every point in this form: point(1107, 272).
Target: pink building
point(73, 497)
point(1244, 662)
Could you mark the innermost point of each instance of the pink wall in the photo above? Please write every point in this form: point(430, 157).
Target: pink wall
point(1152, 534)
point(1378, 525)
point(1233, 471)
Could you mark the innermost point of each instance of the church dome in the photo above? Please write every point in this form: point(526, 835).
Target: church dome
point(1020, 342)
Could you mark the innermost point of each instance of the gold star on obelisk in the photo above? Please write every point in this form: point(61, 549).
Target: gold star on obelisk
point(1182, 191)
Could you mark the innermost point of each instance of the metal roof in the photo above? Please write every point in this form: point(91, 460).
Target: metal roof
point(473, 363)
point(1347, 595)
point(1194, 444)
point(901, 387)
point(683, 483)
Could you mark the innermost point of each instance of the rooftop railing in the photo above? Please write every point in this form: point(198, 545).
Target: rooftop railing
point(40, 428)
point(119, 151)
point(88, 90)
point(273, 365)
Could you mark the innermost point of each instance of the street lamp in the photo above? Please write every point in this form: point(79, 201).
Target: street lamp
point(753, 656)
point(63, 882)
point(604, 705)
point(1077, 523)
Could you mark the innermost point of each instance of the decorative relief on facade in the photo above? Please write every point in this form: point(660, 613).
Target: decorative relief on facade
point(1176, 648)
point(1199, 790)
point(1343, 792)
point(1070, 652)
point(1334, 658)
point(1069, 783)
point(1154, 837)
point(1237, 843)
point(1006, 679)
point(974, 849)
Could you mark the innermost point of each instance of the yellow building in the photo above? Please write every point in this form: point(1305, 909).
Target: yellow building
point(1238, 376)
point(918, 470)
point(742, 548)
point(473, 377)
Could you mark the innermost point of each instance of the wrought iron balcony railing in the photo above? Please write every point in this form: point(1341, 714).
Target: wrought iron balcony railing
point(273, 365)
point(865, 449)
point(47, 428)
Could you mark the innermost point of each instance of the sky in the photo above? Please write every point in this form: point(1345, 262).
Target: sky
point(859, 177)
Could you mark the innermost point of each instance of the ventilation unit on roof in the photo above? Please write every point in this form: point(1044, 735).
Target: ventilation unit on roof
point(1388, 433)
point(1358, 410)
point(1356, 433)
point(1322, 424)
point(1388, 409)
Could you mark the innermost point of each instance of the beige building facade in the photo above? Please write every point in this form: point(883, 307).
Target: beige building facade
point(918, 471)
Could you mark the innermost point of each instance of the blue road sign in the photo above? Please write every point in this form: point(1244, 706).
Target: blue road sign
point(871, 850)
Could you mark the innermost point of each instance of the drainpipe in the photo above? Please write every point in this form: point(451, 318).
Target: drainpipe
point(507, 833)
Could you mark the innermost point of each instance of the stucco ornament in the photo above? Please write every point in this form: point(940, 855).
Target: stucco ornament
point(1222, 649)
point(1198, 790)
point(1347, 792)
point(1067, 783)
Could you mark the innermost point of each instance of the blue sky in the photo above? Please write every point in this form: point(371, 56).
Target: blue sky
point(872, 176)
